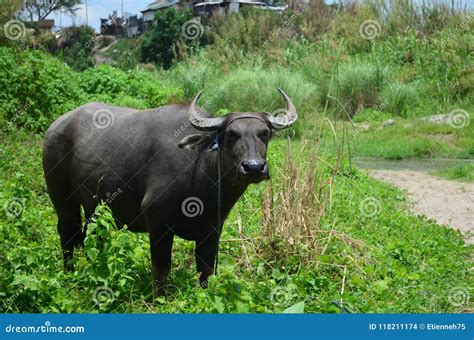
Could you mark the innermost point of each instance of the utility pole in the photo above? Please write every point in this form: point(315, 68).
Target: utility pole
point(87, 15)
point(121, 8)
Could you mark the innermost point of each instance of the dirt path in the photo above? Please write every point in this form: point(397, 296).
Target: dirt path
point(447, 202)
point(98, 57)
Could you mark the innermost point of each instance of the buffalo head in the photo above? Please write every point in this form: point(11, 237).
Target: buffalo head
point(242, 138)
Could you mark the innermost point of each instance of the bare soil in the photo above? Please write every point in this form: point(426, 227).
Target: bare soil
point(447, 202)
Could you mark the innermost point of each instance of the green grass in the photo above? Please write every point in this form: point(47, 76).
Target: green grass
point(464, 173)
point(370, 254)
point(411, 138)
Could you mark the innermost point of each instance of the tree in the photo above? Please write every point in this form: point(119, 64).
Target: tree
point(76, 45)
point(169, 31)
point(8, 8)
point(40, 9)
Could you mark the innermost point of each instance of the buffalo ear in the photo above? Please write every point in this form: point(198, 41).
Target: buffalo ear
point(196, 142)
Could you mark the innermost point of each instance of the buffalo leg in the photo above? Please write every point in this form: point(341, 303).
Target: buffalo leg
point(206, 251)
point(161, 245)
point(70, 231)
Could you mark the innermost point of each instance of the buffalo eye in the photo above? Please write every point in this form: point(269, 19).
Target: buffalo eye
point(265, 136)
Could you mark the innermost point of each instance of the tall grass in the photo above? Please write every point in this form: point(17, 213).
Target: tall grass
point(297, 219)
point(399, 99)
point(354, 86)
point(249, 88)
point(419, 57)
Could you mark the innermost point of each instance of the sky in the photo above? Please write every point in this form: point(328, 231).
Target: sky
point(99, 9)
point(102, 8)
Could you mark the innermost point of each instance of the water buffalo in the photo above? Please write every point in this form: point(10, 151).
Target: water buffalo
point(160, 170)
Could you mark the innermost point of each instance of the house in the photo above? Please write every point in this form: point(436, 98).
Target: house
point(206, 7)
point(45, 25)
point(226, 7)
point(133, 26)
point(150, 11)
point(113, 25)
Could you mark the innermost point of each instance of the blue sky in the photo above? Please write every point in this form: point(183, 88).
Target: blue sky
point(101, 8)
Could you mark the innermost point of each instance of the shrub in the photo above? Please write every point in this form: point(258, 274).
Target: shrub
point(356, 86)
point(193, 76)
point(370, 115)
point(160, 42)
point(47, 41)
point(7, 12)
point(103, 79)
point(247, 31)
point(255, 90)
point(399, 99)
point(124, 54)
point(138, 87)
point(76, 45)
point(36, 88)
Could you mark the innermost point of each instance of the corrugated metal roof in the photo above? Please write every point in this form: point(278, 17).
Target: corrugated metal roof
point(204, 3)
point(252, 2)
point(159, 5)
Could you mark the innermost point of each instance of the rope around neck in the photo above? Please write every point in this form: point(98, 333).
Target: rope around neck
point(219, 204)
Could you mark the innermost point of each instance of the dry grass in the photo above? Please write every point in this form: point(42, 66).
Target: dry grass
point(294, 208)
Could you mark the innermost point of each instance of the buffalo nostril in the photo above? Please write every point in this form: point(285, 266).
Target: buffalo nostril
point(254, 166)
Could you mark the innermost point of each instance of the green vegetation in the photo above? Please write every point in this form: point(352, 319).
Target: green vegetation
point(124, 54)
point(410, 138)
point(164, 41)
point(38, 88)
point(321, 232)
point(463, 173)
point(361, 250)
point(76, 47)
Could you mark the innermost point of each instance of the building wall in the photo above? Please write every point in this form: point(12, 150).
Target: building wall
point(148, 16)
point(234, 7)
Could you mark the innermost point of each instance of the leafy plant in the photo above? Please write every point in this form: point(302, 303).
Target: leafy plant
point(76, 44)
point(160, 43)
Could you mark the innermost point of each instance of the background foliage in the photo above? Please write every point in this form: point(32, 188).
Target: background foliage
point(308, 236)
